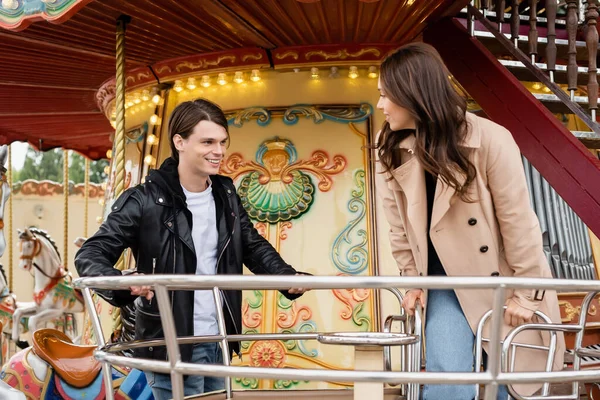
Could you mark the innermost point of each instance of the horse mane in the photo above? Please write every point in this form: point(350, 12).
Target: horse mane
point(46, 236)
point(3, 273)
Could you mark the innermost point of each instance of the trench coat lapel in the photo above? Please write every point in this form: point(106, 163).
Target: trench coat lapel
point(410, 178)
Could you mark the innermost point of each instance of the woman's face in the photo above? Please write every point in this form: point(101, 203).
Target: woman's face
point(398, 117)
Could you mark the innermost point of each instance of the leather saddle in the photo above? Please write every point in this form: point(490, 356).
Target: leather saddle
point(75, 364)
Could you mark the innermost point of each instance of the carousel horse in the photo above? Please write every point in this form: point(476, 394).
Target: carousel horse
point(4, 194)
point(55, 368)
point(53, 293)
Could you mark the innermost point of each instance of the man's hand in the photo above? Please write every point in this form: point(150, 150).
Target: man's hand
point(297, 291)
point(145, 291)
point(410, 300)
point(516, 315)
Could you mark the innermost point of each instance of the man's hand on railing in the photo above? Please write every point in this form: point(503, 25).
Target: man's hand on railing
point(145, 291)
point(516, 315)
point(410, 300)
point(298, 290)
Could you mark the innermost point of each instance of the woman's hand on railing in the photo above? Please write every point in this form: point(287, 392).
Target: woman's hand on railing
point(145, 291)
point(515, 314)
point(410, 300)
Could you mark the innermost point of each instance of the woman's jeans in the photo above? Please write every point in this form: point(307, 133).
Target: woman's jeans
point(449, 345)
point(203, 353)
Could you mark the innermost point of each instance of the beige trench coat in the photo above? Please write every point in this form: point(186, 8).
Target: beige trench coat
point(498, 233)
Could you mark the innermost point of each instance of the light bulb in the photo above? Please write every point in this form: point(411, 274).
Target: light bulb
point(145, 95)
point(152, 139)
point(239, 77)
point(155, 119)
point(137, 98)
point(178, 86)
point(255, 76)
point(191, 83)
point(353, 73)
point(109, 154)
point(373, 72)
point(222, 79)
point(149, 160)
point(205, 81)
point(156, 98)
point(314, 73)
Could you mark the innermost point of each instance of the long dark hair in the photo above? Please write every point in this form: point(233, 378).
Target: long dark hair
point(414, 77)
point(188, 114)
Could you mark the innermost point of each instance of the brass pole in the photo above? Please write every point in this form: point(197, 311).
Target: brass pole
point(10, 221)
point(86, 189)
point(66, 208)
point(119, 154)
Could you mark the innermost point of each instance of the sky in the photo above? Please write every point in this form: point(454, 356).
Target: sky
point(19, 150)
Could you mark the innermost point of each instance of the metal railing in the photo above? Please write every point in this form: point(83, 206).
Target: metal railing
point(491, 378)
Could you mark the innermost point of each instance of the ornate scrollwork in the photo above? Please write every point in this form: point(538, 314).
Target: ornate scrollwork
point(276, 187)
point(335, 114)
point(342, 54)
point(257, 56)
point(353, 238)
point(572, 312)
point(237, 119)
point(293, 54)
point(203, 63)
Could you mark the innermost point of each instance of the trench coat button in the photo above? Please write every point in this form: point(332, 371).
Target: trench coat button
point(472, 221)
point(150, 348)
point(420, 274)
point(169, 224)
point(160, 200)
point(495, 273)
point(483, 249)
point(228, 190)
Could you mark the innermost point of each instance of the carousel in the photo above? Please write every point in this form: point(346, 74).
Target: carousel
point(298, 82)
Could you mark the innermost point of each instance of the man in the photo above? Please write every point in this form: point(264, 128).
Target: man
point(185, 219)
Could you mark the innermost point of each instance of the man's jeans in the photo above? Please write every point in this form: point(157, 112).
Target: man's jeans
point(204, 353)
point(449, 346)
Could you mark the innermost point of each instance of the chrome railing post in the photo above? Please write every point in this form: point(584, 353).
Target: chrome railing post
point(493, 367)
point(97, 326)
point(168, 325)
point(224, 342)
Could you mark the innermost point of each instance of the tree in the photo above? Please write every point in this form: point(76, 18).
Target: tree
point(43, 165)
point(49, 165)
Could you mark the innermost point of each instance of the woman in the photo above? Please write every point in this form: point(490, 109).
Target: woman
point(455, 196)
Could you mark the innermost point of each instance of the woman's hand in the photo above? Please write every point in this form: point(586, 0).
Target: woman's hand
point(410, 300)
point(516, 315)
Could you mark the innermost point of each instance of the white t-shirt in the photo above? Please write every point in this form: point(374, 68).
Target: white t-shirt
point(206, 238)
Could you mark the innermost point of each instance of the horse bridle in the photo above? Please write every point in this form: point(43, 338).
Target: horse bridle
point(37, 248)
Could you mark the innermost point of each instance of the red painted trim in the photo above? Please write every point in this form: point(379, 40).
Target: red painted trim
point(565, 163)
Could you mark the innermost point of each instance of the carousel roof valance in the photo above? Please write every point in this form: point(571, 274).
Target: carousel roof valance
point(57, 54)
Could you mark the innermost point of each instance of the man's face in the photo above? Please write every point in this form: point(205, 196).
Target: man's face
point(202, 151)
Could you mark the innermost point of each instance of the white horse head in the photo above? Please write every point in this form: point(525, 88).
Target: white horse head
point(39, 254)
point(53, 293)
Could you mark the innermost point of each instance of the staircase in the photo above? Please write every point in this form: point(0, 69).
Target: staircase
point(531, 66)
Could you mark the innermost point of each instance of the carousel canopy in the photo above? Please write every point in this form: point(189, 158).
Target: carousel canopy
point(57, 54)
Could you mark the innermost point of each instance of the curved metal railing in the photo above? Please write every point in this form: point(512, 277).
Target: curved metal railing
point(491, 378)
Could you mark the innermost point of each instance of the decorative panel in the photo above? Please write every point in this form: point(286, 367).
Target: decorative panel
point(304, 177)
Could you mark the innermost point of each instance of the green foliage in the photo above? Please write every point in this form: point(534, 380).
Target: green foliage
point(48, 165)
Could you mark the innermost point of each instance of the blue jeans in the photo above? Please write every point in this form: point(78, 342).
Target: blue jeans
point(449, 343)
point(204, 353)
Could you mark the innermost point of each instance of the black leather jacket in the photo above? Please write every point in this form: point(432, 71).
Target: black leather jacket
point(152, 219)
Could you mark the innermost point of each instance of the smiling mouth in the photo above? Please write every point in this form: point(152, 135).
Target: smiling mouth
point(213, 161)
